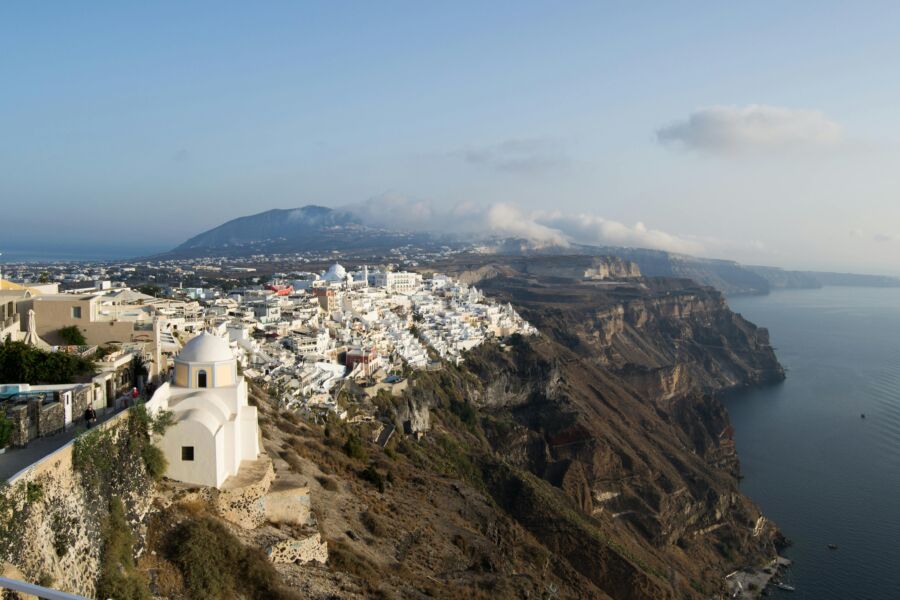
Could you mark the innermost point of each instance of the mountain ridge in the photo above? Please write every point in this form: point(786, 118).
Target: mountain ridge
point(314, 228)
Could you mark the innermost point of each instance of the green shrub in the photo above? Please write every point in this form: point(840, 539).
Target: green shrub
point(34, 492)
point(21, 363)
point(154, 461)
point(372, 475)
point(6, 429)
point(465, 412)
point(119, 578)
point(94, 456)
point(215, 564)
point(63, 529)
point(354, 448)
point(98, 454)
point(72, 335)
point(162, 421)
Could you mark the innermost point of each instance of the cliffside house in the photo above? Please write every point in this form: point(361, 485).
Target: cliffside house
point(11, 326)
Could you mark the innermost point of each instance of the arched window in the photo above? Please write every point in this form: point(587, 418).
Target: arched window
point(201, 379)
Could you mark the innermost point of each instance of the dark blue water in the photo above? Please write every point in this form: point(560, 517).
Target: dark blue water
point(811, 463)
point(83, 252)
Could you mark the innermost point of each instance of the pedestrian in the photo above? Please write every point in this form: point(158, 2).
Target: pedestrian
point(90, 416)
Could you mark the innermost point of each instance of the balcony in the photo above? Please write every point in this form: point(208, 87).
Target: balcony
point(12, 320)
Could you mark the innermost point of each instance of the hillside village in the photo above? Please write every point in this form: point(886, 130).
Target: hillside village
point(302, 336)
point(323, 419)
point(319, 342)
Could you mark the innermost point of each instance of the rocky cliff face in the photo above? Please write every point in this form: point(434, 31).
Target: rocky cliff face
point(55, 516)
point(592, 461)
point(604, 439)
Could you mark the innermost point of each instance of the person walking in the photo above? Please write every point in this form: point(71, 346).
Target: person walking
point(90, 416)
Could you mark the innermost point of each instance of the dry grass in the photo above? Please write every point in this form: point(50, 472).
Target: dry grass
point(374, 524)
point(343, 557)
point(164, 576)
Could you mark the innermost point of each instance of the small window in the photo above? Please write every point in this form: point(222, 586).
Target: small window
point(76, 312)
point(201, 379)
point(187, 453)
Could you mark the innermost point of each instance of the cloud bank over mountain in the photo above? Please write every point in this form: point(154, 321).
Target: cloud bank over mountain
point(508, 219)
point(756, 127)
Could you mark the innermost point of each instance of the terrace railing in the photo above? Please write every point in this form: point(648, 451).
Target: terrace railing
point(15, 585)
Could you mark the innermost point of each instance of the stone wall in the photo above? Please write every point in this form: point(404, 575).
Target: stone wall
point(51, 418)
point(81, 397)
point(243, 503)
point(19, 417)
point(304, 550)
point(50, 523)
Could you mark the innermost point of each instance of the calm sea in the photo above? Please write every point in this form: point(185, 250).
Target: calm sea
point(824, 474)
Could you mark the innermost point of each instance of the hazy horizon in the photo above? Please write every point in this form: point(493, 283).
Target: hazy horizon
point(763, 133)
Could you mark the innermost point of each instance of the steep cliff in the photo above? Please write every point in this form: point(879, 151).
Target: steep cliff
point(592, 461)
point(74, 519)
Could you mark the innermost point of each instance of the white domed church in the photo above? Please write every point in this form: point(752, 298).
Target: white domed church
point(214, 428)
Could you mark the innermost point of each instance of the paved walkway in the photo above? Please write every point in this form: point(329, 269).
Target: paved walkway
point(16, 459)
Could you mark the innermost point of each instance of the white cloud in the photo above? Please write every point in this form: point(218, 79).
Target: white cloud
point(395, 211)
point(757, 127)
point(591, 229)
point(508, 219)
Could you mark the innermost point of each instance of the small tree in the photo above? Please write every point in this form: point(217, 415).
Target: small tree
point(72, 336)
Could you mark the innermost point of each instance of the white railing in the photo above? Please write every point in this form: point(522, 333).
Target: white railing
point(36, 590)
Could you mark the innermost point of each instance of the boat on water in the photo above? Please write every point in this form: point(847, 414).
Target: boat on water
point(832, 546)
point(784, 586)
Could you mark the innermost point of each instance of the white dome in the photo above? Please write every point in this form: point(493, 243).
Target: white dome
point(336, 273)
point(205, 348)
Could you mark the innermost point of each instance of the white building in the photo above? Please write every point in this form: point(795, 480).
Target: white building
point(401, 282)
point(214, 428)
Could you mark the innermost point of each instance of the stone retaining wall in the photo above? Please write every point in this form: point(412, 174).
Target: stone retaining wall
point(49, 527)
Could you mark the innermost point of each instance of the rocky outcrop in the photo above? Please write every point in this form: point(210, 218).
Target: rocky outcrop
point(610, 446)
point(52, 514)
point(577, 267)
point(667, 338)
point(292, 551)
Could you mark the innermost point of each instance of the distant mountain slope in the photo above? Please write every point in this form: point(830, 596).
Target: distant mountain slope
point(304, 227)
point(321, 229)
point(310, 228)
point(271, 224)
point(725, 275)
point(779, 279)
point(782, 279)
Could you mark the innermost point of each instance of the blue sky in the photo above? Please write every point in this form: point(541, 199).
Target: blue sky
point(140, 124)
